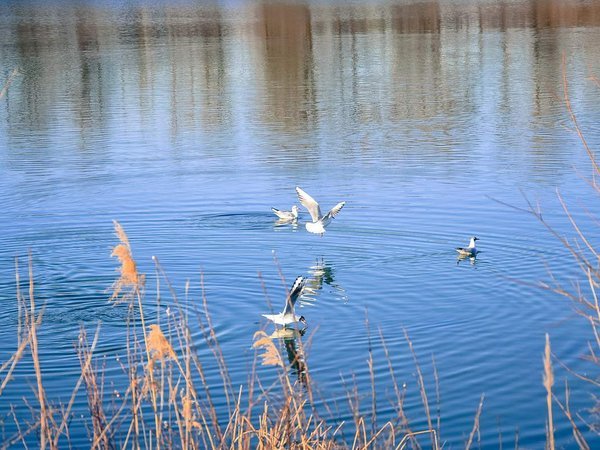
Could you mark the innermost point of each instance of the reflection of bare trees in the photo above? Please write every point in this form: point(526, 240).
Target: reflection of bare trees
point(89, 104)
point(197, 58)
point(303, 63)
point(288, 92)
point(416, 18)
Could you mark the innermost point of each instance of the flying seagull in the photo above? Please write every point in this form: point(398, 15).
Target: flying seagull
point(286, 215)
point(287, 316)
point(471, 250)
point(319, 221)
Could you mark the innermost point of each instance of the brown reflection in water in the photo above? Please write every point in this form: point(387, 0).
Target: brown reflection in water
point(143, 33)
point(539, 14)
point(88, 102)
point(80, 59)
point(42, 69)
point(524, 14)
point(416, 18)
point(420, 91)
point(197, 61)
point(285, 33)
point(557, 13)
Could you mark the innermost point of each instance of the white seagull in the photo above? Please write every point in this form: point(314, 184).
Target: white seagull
point(286, 215)
point(287, 316)
point(319, 221)
point(471, 250)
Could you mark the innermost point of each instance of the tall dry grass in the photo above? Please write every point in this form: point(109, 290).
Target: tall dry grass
point(582, 293)
point(169, 402)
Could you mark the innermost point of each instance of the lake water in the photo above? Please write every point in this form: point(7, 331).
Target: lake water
point(187, 123)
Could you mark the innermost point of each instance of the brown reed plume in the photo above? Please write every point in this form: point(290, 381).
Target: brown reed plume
point(270, 355)
point(159, 347)
point(129, 276)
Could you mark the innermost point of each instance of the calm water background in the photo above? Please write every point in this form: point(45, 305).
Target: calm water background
point(188, 122)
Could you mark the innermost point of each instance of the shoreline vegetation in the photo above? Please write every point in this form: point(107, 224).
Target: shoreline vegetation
point(169, 403)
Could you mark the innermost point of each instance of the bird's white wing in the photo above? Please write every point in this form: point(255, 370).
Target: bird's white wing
point(309, 203)
point(279, 213)
point(295, 292)
point(334, 211)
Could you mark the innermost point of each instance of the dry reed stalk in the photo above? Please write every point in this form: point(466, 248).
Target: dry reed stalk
point(573, 117)
point(101, 437)
point(372, 376)
point(437, 396)
point(129, 276)
point(475, 424)
point(213, 342)
point(421, 381)
point(185, 340)
point(8, 81)
point(23, 337)
point(159, 349)
point(353, 400)
point(21, 434)
point(94, 393)
point(189, 387)
point(33, 323)
point(399, 404)
point(183, 335)
point(581, 442)
point(548, 383)
point(411, 436)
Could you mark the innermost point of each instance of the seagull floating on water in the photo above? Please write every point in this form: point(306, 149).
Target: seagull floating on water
point(319, 221)
point(287, 316)
point(286, 215)
point(471, 250)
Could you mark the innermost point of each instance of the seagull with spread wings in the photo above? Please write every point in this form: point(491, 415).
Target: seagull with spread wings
point(319, 221)
point(287, 316)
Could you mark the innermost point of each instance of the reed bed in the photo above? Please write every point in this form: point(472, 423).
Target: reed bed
point(169, 402)
point(583, 295)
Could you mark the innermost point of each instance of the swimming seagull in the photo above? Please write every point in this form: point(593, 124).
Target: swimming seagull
point(286, 215)
point(319, 221)
point(471, 250)
point(287, 316)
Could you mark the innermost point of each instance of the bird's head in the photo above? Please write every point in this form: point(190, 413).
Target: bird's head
point(302, 319)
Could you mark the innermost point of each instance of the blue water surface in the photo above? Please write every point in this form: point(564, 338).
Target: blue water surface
point(188, 122)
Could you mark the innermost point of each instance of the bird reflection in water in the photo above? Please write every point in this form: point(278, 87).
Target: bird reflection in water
point(319, 274)
point(293, 346)
point(293, 223)
point(472, 259)
point(272, 356)
point(286, 217)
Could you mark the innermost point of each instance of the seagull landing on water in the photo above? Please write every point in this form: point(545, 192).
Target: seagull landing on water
point(319, 221)
point(286, 215)
point(287, 316)
point(471, 250)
